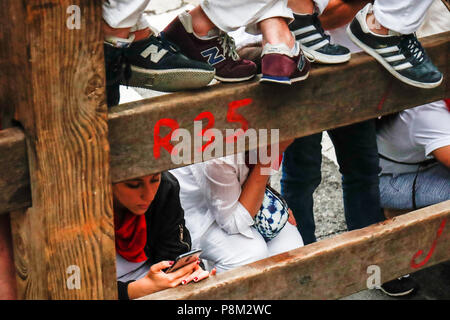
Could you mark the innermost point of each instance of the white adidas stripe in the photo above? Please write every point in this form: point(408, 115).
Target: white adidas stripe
point(403, 66)
point(387, 49)
point(395, 58)
point(311, 38)
point(320, 44)
point(304, 30)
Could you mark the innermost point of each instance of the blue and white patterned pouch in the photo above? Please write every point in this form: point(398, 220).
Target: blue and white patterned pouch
point(272, 216)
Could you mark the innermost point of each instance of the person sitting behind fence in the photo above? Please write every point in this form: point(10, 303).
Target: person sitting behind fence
point(414, 148)
point(150, 233)
point(221, 198)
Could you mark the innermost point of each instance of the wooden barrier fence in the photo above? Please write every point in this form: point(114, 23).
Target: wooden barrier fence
point(60, 163)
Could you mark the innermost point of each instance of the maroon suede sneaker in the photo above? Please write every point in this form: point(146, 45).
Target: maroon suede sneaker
point(280, 65)
point(218, 50)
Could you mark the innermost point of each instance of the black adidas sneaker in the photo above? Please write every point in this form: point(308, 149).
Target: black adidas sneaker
point(316, 45)
point(402, 55)
point(157, 64)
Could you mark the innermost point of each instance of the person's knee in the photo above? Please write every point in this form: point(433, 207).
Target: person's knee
point(247, 252)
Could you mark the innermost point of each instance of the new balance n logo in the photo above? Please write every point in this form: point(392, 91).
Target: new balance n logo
point(153, 52)
point(213, 56)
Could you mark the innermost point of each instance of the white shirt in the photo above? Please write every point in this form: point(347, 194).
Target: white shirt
point(413, 135)
point(210, 191)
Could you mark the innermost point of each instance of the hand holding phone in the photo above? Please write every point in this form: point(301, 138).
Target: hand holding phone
point(185, 259)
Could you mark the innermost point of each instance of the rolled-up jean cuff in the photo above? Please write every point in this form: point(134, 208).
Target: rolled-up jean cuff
point(124, 14)
point(117, 23)
point(400, 20)
point(254, 27)
point(142, 24)
point(227, 21)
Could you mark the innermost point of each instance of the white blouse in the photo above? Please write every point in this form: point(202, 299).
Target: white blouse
point(210, 191)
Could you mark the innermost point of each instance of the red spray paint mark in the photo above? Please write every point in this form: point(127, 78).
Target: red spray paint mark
point(210, 117)
point(386, 94)
point(430, 253)
point(233, 116)
point(165, 141)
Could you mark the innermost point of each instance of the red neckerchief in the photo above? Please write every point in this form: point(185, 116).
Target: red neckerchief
point(447, 103)
point(131, 236)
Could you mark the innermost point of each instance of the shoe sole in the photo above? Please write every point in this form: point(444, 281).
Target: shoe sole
point(221, 79)
point(396, 294)
point(323, 58)
point(388, 67)
point(169, 80)
point(282, 81)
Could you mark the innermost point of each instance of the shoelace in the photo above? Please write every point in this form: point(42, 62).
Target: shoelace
point(228, 46)
point(318, 25)
point(411, 44)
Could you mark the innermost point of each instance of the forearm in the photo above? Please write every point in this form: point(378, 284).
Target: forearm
point(140, 288)
point(443, 155)
point(253, 190)
point(338, 13)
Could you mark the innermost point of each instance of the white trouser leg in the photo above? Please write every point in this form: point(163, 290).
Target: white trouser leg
point(230, 15)
point(288, 239)
point(124, 13)
point(228, 251)
point(403, 16)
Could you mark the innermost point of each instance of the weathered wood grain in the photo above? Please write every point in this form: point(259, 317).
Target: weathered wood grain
point(14, 89)
point(332, 96)
point(335, 267)
point(64, 118)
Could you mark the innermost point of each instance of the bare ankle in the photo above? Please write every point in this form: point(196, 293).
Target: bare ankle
point(142, 34)
point(275, 31)
point(302, 7)
point(200, 22)
point(109, 31)
point(375, 26)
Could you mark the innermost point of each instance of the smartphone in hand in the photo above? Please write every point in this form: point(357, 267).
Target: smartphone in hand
point(185, 259)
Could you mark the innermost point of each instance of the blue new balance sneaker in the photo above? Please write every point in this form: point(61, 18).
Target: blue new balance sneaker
point(156, 63)
point(152, 63)
point(402, 55)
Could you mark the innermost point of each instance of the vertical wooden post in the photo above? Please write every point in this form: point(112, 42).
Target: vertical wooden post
point(64, 244)
point(12, 50)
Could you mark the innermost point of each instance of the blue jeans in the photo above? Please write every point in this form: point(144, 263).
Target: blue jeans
point(432, 186)
point(357, 156)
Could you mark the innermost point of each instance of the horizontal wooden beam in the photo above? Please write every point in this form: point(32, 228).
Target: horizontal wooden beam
point(331, 97)
point(335, 267)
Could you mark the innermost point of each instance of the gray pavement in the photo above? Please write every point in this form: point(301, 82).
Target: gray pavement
point(433, 282)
